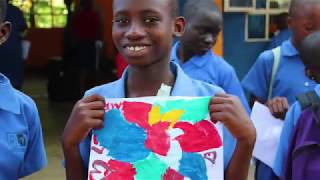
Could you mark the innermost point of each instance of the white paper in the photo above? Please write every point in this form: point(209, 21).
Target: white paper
point(102, 157)
point(268, 133)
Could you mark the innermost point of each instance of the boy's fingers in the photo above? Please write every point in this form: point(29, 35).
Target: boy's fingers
point(96, 105)
point(221, 95)
point(218, 100)
point(95, 123)
point(97, 114)
point(92, 98)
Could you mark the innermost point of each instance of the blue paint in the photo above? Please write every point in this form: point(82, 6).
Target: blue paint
point(192, 165)
point(124, 141)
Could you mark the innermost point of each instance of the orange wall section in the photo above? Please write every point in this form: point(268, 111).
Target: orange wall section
point(218, 48)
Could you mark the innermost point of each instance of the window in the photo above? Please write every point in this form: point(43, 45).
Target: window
point(43, 13)
point(259, 16)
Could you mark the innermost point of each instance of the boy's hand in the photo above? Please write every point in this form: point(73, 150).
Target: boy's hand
point(278, 107)
point(228, 110)
point(87, 114)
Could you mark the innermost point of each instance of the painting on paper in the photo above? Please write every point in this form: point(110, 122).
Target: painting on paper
point(157, 138)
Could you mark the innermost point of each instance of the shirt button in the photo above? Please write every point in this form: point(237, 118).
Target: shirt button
point(306, 84)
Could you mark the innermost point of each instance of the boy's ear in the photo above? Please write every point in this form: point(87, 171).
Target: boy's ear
point(179, 26)
point(289, 22)
point(5, 29)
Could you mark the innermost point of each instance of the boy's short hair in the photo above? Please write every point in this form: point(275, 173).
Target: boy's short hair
point(295, 6)
point(310, 50)
point(192, 7)
point(174, 8)
point(3, 10)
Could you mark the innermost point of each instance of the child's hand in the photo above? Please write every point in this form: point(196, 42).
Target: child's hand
point(228, 110)
point(278, 107)
point(87, 114)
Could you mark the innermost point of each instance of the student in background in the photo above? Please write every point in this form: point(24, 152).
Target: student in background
point(283, 32)
point(12, 63)
point(310, 55)
point(194, 50)
point(290, 79)
point(142, 32)
point(21, 144)
point(85, 29)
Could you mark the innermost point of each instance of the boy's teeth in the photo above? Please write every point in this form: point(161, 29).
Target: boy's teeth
point(136, 48)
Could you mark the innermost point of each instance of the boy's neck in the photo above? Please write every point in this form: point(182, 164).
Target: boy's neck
point(146, 81)
point(183, 54)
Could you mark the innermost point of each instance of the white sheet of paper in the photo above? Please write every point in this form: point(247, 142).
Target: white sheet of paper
point(268, 133)
point(105, 162)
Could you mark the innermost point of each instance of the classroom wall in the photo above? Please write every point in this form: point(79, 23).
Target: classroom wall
point(45, 43)
point(240, 54)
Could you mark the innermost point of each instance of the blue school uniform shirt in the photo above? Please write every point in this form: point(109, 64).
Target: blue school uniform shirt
point(281, 37)
point(290, 122)
point(21, 144)
point(290, 80)
point(214, 70)
point(195, 89)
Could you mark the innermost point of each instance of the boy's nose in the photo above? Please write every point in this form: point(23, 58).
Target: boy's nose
point(135, 31)
point(208, 39)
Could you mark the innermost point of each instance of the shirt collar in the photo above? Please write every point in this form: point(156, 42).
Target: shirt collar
point(8, 99)
point(183, 85)
point(198, 61)
point(288, 49)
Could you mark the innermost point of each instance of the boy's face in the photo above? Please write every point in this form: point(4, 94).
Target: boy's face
point(5, 29)
point(142, 30)
point(201, 32)
point(305, 22)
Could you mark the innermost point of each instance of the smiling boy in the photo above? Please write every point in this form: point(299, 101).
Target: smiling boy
point(143, 32)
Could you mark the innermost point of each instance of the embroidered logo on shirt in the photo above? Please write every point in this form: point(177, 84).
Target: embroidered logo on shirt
point(17, 140)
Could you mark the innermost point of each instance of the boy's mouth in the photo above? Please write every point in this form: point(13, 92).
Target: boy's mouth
point(136, 50)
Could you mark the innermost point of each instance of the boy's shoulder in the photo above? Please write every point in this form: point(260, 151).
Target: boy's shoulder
point(110, 90)
point(193, 88)
point(205, 89)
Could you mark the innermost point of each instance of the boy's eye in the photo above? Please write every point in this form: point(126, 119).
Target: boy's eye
point(121, 21)
point(151, 20)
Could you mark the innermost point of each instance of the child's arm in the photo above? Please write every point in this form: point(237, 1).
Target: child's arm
point(86, 115)
point(228, 110)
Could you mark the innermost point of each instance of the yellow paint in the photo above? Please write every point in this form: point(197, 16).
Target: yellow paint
point(172, 117)
point(154, 115)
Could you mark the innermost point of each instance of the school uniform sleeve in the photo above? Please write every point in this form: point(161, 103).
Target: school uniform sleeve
point(231, 84)
point(35, 156)
point(257, 81)
point(290, 122)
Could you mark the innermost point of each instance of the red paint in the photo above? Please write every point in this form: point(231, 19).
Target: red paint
point(157, 138)
point(137, 112)
point(120, 170)
point(211, 156)
point(199, 137)
point(95, 165)
point(97, 150)
point(95, 141)
point(172, 175)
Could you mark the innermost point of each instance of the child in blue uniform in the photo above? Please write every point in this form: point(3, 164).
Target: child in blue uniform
point(142, 32)
point(290, 79)
point(194, 50)
point(21, 144)
point(310, 55)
